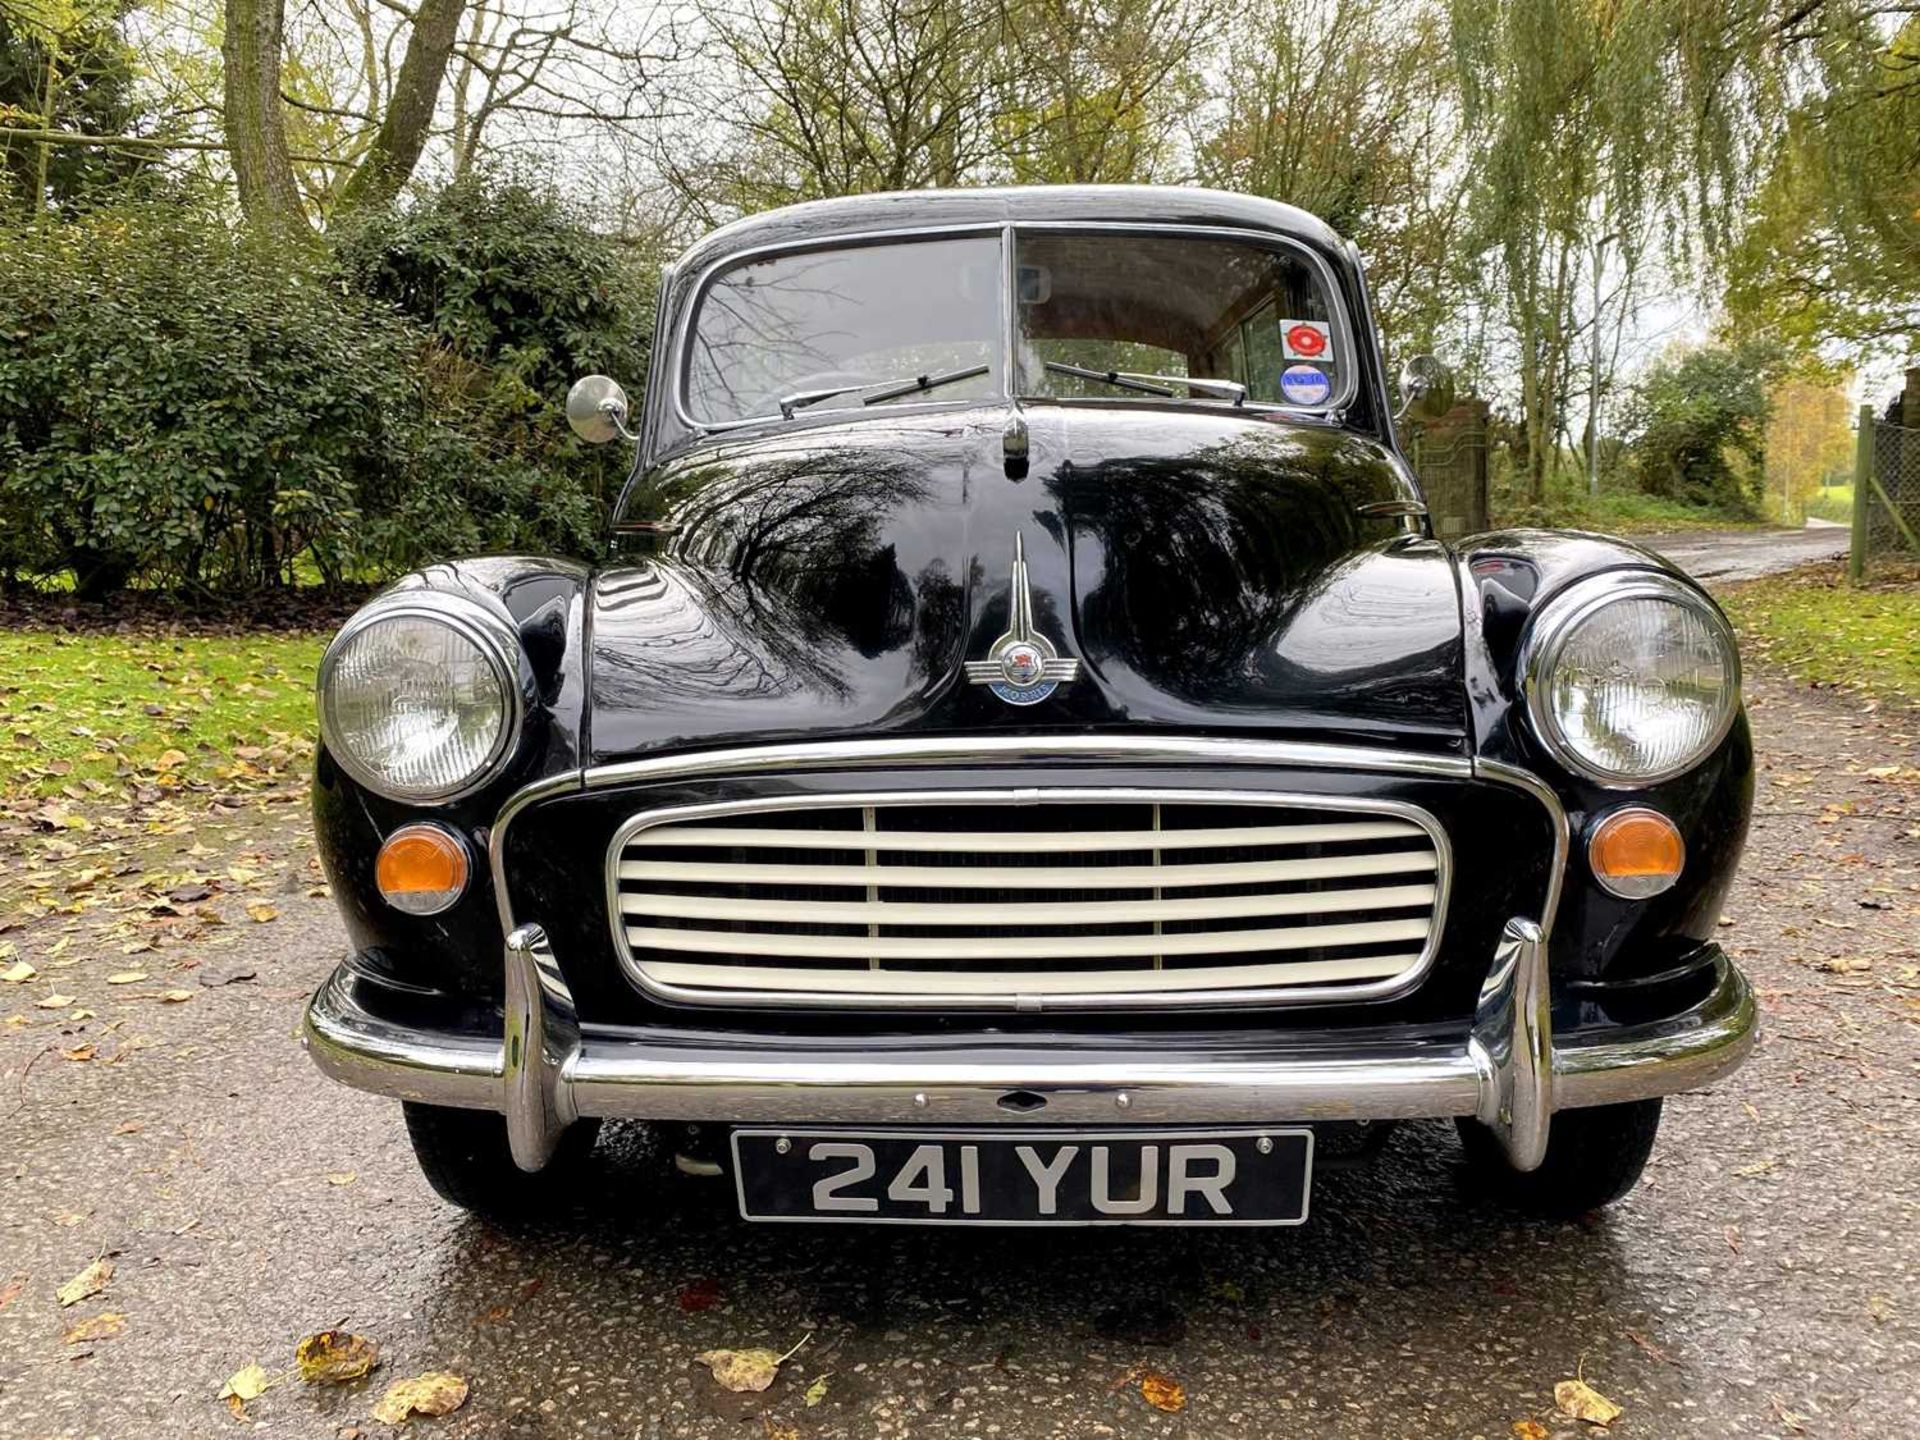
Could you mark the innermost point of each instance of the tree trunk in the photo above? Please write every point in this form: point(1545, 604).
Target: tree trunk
point(403, 130)
point(256, 121)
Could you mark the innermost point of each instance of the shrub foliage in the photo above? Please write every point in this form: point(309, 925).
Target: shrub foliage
point(182, 406)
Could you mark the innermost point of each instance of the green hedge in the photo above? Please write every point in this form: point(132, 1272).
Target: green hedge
point(180, 406)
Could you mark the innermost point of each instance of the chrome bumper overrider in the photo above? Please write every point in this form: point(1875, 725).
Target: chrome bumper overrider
point(1507, 1071)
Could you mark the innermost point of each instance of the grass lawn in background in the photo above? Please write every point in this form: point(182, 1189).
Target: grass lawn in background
point(88, 716)
point(1811, 624)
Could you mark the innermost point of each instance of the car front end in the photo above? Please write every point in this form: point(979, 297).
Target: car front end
point(1034, 749)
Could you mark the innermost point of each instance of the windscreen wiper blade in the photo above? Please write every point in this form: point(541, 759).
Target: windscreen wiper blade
point(1151, 384)
point(883, 389)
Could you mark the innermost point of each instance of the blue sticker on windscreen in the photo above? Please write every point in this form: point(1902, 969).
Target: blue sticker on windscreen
point(1305, 385)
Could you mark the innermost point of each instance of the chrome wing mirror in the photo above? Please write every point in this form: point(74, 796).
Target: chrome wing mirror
point(1426, 389)
point(597, 410)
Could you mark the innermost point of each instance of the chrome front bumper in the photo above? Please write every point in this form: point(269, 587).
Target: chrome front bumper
point(1506, 1071)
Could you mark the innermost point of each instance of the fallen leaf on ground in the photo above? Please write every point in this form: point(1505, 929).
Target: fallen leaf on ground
point(90, 1281)
point(778, 1432)
point(175, 997)
point(126, 977)
point(55, 1001)
point(741, 1370)
point(218, 975)
point(260, 912)
point(746, 1370)
point(438, 1392)
point(817, 1391)
point(1530, 1430)
point(95, 1327)
point(80, 1052)
point(335, 1355)
point(1583, 1402)
point(1163, 1392)
point(341, 1177)
point(243, 1385)
point(18, 973)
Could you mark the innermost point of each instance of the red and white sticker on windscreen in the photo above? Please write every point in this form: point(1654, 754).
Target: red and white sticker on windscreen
point(1305, 340)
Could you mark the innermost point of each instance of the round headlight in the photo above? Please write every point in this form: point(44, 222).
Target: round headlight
point(418, 699)
point(1631, 678)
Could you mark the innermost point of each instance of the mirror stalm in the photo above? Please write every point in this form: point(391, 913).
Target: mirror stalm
point(597, 410)
point(1426, 388)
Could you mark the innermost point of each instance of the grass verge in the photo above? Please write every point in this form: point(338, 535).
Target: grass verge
point(99, 716)
point(1614, 512)
point(1813, 625)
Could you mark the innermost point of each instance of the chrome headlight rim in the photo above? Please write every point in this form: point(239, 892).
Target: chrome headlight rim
point(499, 646)
point(1561, 617)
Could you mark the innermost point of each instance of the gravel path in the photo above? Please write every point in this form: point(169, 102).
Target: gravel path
point(1762, 1281)
point(1724, 556)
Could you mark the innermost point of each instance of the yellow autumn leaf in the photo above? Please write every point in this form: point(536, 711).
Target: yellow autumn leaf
point(438, 1392)
point(95, 1327)
point(1163, 1392)
point(1583, 1402)
point(335, 1355)
point(170, 759)
point(175, 997)
point(261, 912)
point(742, 1370)
point(90, 1281)
point(18, 973)
point(249, 1383)
point(126, 977)
point(1530, 1430)
point(342, 1177)
point(817, 1391)
point(55, 1001)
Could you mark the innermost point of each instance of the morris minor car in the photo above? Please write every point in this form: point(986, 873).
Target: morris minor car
point(1029, 759)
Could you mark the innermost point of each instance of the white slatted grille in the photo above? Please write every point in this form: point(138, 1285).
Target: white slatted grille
point(966, 901)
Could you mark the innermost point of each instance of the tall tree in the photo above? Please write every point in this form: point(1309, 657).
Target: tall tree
point(1344, 109)
point(256, 123)
point(1831, 247)
point(1633, 123)
point(797, 99)
point(402, 134)
point(1097, 91)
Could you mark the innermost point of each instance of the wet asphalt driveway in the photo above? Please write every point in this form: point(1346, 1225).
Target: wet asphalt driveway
point(1760, 1282)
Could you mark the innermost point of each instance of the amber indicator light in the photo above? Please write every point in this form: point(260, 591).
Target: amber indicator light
point(422, 869)
point(1636, 853)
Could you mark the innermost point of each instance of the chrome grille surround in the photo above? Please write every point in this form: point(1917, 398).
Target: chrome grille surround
point(844, 944)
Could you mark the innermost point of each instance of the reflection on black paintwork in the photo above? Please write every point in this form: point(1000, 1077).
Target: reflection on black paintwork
point(1208, 568)
point(777, 580)
point(1243, 569)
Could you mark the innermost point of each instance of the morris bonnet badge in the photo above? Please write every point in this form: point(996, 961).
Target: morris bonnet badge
point(1022, 668)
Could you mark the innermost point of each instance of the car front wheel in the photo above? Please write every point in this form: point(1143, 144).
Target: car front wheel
point(1594, 1156)
point(466, 1159)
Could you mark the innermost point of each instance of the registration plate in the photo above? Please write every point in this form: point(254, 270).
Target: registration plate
point(1033, 1177)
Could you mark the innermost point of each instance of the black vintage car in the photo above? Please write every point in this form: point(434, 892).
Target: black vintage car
point(1032, 761)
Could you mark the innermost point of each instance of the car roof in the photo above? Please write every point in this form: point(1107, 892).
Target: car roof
point(1013, 204)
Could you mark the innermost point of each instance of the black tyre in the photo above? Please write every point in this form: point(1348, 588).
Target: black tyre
point(465, 1157)
point(1594, 1156)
